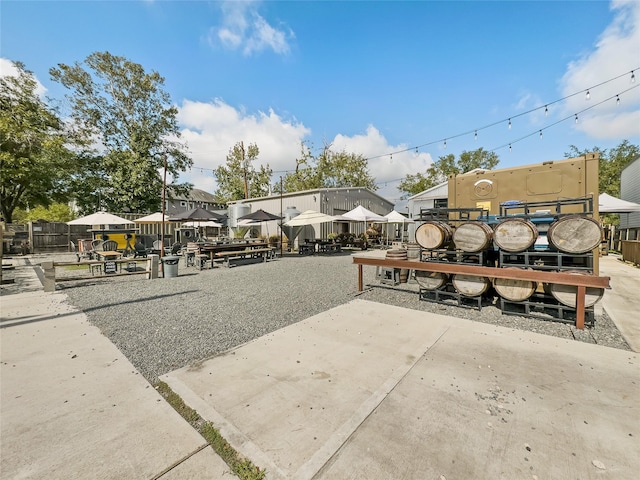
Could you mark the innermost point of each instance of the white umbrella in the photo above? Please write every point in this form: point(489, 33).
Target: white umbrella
point(151, 219)
point(309, 217)
point(396, 217)
point(100, 218)
point(363, 215)
point(203, 224)
point(609, 204)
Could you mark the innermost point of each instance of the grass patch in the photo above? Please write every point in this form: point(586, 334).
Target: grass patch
point(239, 465)
point(75, 267)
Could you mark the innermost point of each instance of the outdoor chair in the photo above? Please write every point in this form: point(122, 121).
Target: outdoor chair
point(109, 245)
point(139, 250)
point(176, 248)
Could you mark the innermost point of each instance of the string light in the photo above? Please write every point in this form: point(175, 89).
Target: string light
point(617, 99)
point(576, 118)
point(546, 112)
point(416, 150)
point(540, 134)
point(475, 136)
point(445, 143)
point(633, 77)
point(588, 96)
point(509, 147)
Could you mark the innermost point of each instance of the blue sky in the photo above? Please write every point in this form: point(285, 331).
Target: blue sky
point(370, 77)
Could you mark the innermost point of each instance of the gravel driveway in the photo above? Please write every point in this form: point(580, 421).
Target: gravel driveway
point(165, 324)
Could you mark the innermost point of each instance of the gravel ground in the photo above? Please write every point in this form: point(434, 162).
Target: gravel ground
point(165, 324)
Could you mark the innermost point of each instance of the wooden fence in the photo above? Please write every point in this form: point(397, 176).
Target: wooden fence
point(631, 251)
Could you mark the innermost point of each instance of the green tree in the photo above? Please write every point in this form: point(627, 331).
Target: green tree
point(440, 170)
point(35, 165)
point(123, 109)
point(56, 212)
point(611, 164)
point(330, 169)
point(239, 179)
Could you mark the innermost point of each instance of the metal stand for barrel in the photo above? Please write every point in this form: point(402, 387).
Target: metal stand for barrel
point(388, 276)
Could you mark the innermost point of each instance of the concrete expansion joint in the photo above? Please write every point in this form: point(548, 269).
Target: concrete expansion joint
point(180, 461)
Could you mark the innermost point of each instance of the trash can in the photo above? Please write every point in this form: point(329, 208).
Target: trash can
point(170, 266)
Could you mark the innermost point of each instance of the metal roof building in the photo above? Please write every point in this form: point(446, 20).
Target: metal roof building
point(332, 201)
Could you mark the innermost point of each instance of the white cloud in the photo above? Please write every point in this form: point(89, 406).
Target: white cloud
point(386, 168)
point(615, 53)
point(244, 28)
point(211, 129)
point(8, 68)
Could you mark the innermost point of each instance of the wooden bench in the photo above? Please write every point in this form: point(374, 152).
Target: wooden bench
point(235, 255)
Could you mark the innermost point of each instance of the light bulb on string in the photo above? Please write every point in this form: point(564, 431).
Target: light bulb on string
point(391, 158)
point(509, 147)
point(633, 77)
point(540, 134)
point(445, 143)
point(416, 150)
point(475, 136)
point(576, 118)
point(546, 111)
point(509, 124)
point(617, 99)
point(588, 96)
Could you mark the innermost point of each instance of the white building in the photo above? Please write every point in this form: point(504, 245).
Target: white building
point(331, 201)
point(630, 191)
point(434, 197)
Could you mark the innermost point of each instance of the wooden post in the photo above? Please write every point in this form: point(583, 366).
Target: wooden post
point(360, 277)
point(49, 276)
point(580, 294)
point(152, 266)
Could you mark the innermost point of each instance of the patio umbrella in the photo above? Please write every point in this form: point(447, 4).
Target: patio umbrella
point(208, 223)
point(196, 214)
point(151, 219)
point(100, 218)
point(609, 204)
point(309, 217)
point(396, 217)
point(260, 216)
point(363, 215)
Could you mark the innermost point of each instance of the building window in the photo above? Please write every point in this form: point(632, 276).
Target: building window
point(440, 203)
point(183, 204)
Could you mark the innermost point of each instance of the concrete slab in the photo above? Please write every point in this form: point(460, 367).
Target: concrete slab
point(622, 301)
point(72, 406)
point(374, 391)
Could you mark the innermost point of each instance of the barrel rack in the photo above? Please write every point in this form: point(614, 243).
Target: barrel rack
point(581, 282)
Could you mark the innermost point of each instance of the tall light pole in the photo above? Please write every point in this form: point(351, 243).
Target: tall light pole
point(164, 202)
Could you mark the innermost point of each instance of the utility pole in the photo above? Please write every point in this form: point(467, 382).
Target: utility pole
point(164, 202)
point(281, 218)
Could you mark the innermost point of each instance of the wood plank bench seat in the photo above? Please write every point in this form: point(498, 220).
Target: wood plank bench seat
point(234, 256)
